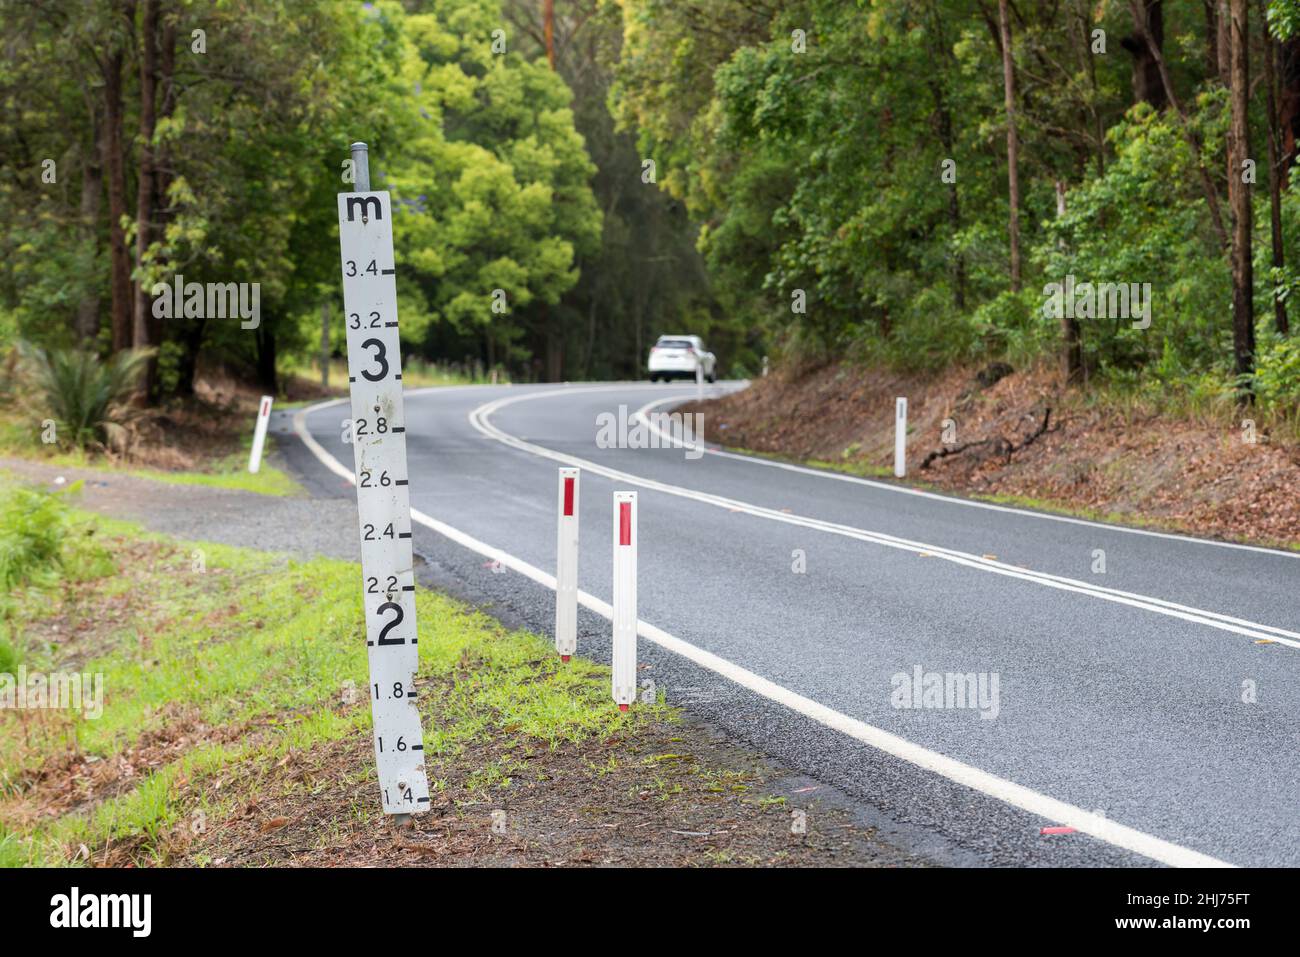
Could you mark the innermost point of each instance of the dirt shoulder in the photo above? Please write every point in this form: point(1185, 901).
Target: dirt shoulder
point(232, 732)
point(1019, 437)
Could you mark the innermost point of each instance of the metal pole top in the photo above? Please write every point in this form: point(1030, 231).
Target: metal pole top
point(361, 167)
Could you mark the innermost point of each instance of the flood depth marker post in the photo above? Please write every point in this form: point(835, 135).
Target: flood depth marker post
point(383, 500)
point(566, 565)
point(625, 546)
point(259, 434)
point(900, 437)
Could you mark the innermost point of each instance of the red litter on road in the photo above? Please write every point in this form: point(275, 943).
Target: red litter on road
point(1057, 830)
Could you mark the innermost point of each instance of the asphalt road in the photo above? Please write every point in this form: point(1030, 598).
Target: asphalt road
point(1153, 704)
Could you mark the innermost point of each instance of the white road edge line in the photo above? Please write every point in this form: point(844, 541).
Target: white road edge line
point(480, 419)
point(1048, 808)
point(1250, 627)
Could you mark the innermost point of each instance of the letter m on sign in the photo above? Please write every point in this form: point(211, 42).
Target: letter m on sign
point(364, 202)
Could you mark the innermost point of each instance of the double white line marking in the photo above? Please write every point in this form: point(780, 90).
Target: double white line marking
point(480, 419)
point(1048, 808)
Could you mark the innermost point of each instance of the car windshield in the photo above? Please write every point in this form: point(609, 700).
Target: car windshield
point(674, 344)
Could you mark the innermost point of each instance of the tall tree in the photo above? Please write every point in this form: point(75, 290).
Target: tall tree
point(112, 65)
point(1272, 134)
point(86, 325)
point(144, 195)
point(1013, 143)
point(1207, 184)
point(1243, 306)
point(1148, 87)
point(1289, 104)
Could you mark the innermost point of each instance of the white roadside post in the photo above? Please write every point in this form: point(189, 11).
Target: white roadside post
point(566, 565)
point(625, 546)
point(259, 434)
point(383, 502)
point(699, 379)
point(900, 437)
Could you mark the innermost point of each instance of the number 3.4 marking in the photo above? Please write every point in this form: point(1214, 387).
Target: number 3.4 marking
point(371, 270)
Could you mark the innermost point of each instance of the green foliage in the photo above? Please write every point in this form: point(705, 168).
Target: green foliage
point(33, 531)
point(489, 177)
point(276, 645)
point(10, 656)
point(1284, 18)
point(1277, 377)
point(1145, 221)
point(866, 171)
point(828, 177)
point(84, 395)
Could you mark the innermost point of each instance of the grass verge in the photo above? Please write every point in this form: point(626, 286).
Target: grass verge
point(234, 725)
point(230, 470)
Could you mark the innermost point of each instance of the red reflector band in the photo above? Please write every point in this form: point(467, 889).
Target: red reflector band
point(568, 496)
point(625, 523)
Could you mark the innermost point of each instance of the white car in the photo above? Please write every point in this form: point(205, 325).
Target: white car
point(677, 357)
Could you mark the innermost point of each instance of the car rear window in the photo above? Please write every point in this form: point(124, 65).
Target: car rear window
point(674, 344)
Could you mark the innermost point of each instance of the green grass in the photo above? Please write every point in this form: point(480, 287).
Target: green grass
point(19, 440)
point(265, 647)
point(231, 472)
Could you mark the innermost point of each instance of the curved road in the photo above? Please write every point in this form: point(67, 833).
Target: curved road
point(1152, 707)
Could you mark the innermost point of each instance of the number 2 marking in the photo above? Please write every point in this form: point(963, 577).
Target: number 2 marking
point(383, 639)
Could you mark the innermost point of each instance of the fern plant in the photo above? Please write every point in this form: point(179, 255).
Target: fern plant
point(85, 397)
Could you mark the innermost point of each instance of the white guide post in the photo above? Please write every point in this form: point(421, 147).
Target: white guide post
point(699, 379)
point(259, 434)
point(625, 546)
point(566, 565)
point(900, 437)
point(383, 503)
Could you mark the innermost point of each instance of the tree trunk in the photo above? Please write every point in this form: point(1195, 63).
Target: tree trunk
point(1211, 36)
point(548, 30)
point(187, 367)
point(554, 345)
point(1280, 320)
point(947, 139)
point(115, 167)
point(1207, 184)
point(266, 357)
point(1223, 44)
point(1013, 144)
point(144, 195)
point(1071, 332)
point(1243, 310)
point(1148, 87)
point(162, 160)
point(92, 189)
point(1289, 104)
point(1090, 60)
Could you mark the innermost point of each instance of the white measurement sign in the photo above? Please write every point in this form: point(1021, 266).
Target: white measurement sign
point(383, 502)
